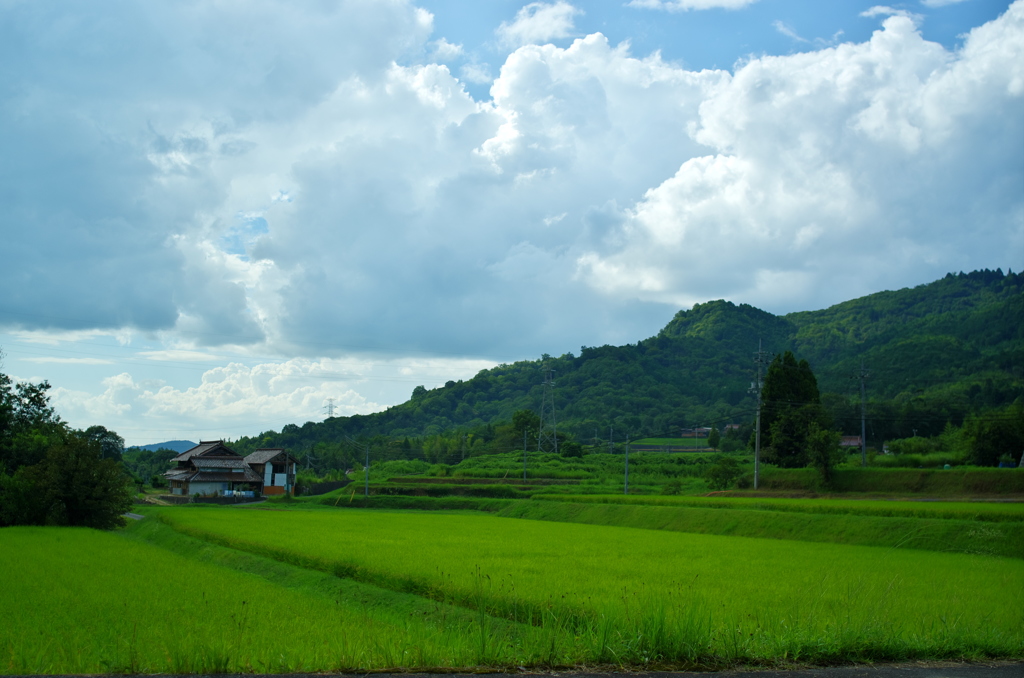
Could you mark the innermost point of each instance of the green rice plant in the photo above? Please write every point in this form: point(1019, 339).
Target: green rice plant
point(960, 536)
point(83, 601)
point(955, 482)
point(983, 511)
point(646, 597)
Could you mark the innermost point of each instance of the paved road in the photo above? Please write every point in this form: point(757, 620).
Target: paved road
point(920, 670)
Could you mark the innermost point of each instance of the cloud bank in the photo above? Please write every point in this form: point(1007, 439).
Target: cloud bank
point(313, 180)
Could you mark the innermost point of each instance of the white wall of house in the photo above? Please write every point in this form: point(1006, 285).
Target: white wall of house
point(206, 488)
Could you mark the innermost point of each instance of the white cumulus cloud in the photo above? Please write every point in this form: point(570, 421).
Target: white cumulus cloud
point(539, 22)
point(834, 165)
point(687, 5)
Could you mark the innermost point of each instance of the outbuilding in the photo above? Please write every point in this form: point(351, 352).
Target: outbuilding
point(276, 468)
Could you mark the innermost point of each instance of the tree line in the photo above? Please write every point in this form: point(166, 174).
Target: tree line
point(53, 474)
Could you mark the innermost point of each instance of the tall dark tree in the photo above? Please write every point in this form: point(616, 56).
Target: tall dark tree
point(791, 405)
point(714, 438)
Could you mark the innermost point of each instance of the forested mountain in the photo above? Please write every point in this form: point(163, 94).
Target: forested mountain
point(934, 353)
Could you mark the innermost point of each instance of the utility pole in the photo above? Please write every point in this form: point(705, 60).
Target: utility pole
point(524, 453)
point(626, 487)
point(863, 417)
point(366, 491)
point(611, 445)
point(547, 416)
point(760, 358)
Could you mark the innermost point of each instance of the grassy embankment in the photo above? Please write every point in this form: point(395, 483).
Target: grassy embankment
point(636, 596)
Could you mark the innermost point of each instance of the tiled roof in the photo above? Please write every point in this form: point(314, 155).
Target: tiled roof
point(262, 456)
point(207, 447)
point(219, 462)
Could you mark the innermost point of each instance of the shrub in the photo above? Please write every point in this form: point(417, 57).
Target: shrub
point(674, 486)
point(723, 473)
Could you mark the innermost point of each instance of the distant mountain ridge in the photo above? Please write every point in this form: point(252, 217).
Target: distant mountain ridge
point(934, 353)
point(178, 446)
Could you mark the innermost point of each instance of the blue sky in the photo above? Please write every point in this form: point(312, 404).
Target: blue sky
point(220, 215)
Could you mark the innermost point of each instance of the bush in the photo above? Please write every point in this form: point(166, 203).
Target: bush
point(916, 460)
point(723, 473)
point(915, 445)
point(440, 471)
point(158, 481)
point(674, 486)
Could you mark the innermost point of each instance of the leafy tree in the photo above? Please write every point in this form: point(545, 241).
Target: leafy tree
point(26, 422)
point(998, 433)
point(111, 444)
point(570, 448)
point(80, 488)
point(714, 438)
point(823, 450)
point(21, 503)
point(51, 474)
point(525, 420)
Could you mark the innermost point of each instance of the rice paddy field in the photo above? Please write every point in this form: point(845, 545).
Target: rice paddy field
point(976, 510)
point(220, 590)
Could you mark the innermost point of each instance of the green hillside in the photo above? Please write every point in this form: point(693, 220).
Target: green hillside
point(935, 353)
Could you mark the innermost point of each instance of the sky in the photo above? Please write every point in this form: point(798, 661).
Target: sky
point(222, 217)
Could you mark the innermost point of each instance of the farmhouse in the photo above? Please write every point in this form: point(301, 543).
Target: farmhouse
point(277, 469)
point(211, 468)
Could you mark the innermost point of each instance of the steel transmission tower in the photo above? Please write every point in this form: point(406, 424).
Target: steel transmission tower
point(761, 359)
point(547, 434)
